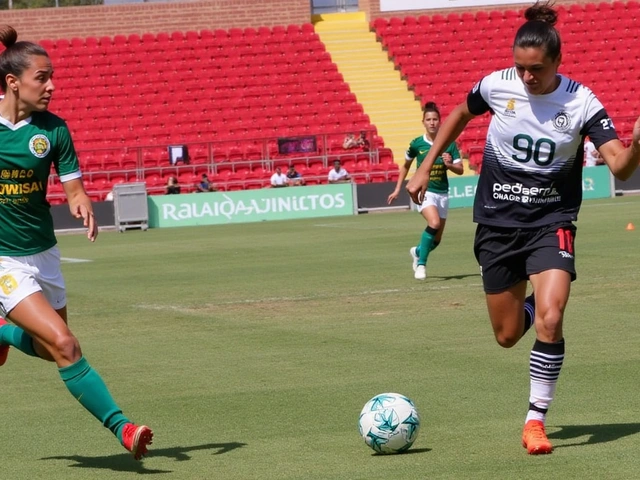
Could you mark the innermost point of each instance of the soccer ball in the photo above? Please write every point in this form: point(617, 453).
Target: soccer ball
point(389, 423)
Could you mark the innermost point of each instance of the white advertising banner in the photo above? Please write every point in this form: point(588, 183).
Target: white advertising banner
point(396, 5)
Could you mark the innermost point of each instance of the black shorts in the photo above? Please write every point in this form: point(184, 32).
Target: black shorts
point(508, 256)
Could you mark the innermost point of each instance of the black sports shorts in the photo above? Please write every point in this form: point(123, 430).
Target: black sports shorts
point(508, 256)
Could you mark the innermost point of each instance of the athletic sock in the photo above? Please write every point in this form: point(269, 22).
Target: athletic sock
point(545, 363)
point(18, 338)
point(434, 245)
point(86, 386)
point(426, 240)
point(529, 312)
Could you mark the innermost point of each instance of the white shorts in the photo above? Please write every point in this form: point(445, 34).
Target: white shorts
point(23, 276)
point(438, 200)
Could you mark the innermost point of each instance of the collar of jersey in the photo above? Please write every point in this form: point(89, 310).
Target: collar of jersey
point(18, 125)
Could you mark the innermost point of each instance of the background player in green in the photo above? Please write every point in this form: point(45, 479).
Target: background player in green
point(32, 290)
point(435, 206)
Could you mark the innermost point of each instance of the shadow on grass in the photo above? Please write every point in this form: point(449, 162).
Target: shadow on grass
point(596, 433)
point(452, 277)
point(124, 462)
point(408, 452)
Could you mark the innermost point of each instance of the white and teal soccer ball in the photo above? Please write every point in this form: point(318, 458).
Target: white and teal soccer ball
point(389, 423)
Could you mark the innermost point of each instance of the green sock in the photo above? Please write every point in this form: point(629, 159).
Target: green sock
point(433, 247)
point(426, 241)
point(18, 338)
point(86, 386)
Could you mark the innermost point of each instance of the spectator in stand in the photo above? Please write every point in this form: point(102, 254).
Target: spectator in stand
point(363, 142)
point(172, 187)
point(279, 179)
point(33, 294)
point(294, 177)
point(350, 141)
point(205, 185)
point(338, 174)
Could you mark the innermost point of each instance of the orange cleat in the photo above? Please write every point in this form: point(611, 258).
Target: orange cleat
point(534, 438)
point(4, 349)
point(135, 438)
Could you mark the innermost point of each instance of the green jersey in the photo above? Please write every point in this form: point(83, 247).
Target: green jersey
point(27, 152)
point(438, 180)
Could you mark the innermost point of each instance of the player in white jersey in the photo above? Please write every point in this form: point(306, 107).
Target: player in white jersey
point(32, 290)
point(529, 194)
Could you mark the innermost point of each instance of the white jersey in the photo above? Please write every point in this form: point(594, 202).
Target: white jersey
point(532, 163)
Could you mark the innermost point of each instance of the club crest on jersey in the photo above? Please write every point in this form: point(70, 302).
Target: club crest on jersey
point(562, 122)
point(510, 111)
point(39, 145)
point(8, 284)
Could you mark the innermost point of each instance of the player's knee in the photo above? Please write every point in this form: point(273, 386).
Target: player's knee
point(66, 347)
point(549, 324)
point(506, 339)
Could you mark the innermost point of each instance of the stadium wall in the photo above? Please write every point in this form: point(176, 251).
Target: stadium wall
point(372, 7)
point(96, 21)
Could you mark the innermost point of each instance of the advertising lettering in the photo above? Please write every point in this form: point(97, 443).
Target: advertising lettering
point(251, 206)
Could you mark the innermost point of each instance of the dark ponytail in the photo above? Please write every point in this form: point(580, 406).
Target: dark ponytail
point(16, 57)
point(430, 107)
point(539, 30)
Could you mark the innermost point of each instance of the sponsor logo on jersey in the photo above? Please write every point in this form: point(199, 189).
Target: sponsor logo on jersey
point(562, 121)
point(20, 189)
point(39, 145)
point(15, 174)
point(510, 111)
point(519, 193)
point(8, 284)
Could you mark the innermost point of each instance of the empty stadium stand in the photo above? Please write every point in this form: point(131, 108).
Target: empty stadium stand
point(228, 95)
point(443, 56)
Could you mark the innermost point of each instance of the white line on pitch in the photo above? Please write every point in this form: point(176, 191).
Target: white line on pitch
point(352, 226)
point(249, 301)
point(74, 260)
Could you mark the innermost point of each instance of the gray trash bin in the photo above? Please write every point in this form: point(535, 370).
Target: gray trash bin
point(130, 206)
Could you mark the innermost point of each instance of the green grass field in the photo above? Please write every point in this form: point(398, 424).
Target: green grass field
point(250, 350)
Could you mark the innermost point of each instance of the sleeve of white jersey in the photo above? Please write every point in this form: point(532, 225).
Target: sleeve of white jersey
point(479, 99)
point(598, 125)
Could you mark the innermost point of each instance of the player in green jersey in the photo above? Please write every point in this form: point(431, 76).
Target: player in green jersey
point(435, 206)
point(32, 290)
